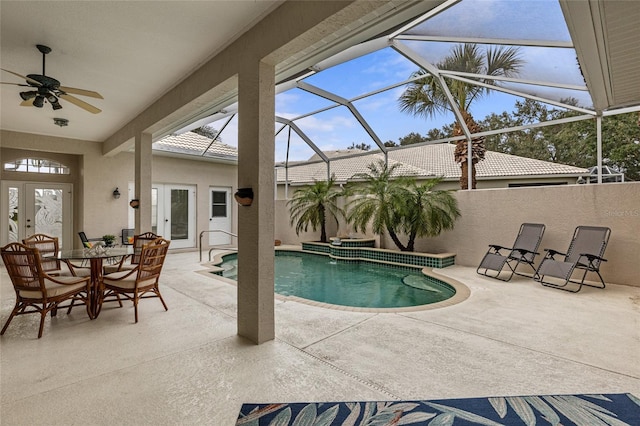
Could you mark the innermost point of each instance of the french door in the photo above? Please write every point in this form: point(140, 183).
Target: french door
point(173, 213)
point(36, 208)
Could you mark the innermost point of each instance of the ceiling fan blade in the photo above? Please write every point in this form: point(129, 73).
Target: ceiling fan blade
point(82, 104)
point(82, 92)
point(29, 80)
point(15, 84)
point(27, 103)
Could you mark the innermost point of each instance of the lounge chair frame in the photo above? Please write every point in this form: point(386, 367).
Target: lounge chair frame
point(584, 253)
point(524, 251)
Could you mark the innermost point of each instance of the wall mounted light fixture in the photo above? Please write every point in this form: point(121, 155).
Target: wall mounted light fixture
point(244, 196)
point(116, 193)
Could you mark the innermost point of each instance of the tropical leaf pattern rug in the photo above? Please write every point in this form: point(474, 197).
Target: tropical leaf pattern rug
point(560, 410)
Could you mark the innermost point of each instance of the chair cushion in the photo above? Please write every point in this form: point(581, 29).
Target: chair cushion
point(55, 289)
point(80, 273)
point(128, 283)
point(110, 269)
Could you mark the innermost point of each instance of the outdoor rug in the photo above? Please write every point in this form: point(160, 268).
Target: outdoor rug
point(583, 410)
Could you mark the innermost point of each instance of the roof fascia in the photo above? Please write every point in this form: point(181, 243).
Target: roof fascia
point(584, 22)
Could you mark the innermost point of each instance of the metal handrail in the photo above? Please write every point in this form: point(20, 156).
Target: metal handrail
point(213, 230)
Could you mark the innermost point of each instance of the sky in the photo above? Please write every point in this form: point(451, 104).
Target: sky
point(337, 128)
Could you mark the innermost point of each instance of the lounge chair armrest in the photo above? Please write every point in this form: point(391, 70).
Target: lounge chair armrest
point(552, 252)
point(525, 251)
point(593, 257)
point(497, 247)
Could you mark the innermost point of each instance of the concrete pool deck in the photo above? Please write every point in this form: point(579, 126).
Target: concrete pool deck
point(188, 366)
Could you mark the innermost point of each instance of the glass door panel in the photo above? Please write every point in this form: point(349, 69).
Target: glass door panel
point(37, 208)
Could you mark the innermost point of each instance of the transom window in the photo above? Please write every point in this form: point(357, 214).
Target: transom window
point(36, 165)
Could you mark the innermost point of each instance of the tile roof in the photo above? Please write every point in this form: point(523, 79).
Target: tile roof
point(429, 161)
point(195, 144)
point(439, 159)
point(421, 161)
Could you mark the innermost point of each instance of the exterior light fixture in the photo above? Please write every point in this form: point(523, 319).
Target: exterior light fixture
point(62, 122)
point(116, 193)
point(244, 196)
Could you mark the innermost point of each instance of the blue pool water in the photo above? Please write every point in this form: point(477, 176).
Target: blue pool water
point(360, 284)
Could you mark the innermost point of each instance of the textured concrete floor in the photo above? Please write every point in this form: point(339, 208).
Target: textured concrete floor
point(187, 366)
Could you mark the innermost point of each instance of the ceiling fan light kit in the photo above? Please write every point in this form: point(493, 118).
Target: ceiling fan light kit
point(49, 89)
point(38, 102)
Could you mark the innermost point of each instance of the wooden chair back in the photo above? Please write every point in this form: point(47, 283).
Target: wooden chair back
point(138, 242)
point(48, 250)
point(24, 267)
point(151, 259)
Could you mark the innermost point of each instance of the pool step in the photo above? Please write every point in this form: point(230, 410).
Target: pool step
point(421, 283)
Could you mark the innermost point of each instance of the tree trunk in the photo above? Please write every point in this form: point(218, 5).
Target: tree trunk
point(323, 226)
point(396, 240)
point(464, 179)
point(461, 155)
point(412, 242)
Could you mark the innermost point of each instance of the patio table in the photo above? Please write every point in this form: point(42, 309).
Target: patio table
point(95, 258)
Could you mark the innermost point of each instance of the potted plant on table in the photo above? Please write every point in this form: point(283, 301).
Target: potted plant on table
point(108, 239)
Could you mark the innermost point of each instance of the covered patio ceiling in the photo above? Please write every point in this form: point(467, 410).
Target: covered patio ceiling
point(134, 53)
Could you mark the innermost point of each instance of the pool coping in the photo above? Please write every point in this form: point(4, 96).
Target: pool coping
point(462, 292)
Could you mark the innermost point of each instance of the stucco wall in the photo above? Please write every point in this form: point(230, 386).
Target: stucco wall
point(95, 176)
point(493, 216)
point(104, 174)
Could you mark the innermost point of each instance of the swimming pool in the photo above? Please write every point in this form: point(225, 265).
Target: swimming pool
point(357, 284)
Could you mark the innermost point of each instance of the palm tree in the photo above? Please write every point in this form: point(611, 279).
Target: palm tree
point(310, 207)
point(379, 200)
point(425, 96)
point(400, 205)
point(429, 212)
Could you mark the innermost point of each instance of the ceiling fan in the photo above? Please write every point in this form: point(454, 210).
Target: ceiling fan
point(49, 89)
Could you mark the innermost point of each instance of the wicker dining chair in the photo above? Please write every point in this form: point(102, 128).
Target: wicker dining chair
point(48, 247)
point(141, 282)
point(138, 241)
point(37, 291)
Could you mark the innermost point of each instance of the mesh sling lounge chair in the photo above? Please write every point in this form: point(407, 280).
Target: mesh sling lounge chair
point(524, 251)
point(585, 252)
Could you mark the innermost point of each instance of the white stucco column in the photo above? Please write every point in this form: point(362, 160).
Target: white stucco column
point(143, 182)
point(256, 157)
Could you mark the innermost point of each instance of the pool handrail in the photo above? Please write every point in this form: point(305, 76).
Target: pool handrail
point(214, 248)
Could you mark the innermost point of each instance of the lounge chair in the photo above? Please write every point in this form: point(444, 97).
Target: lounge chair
point(585, 252)
point(524, 251)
